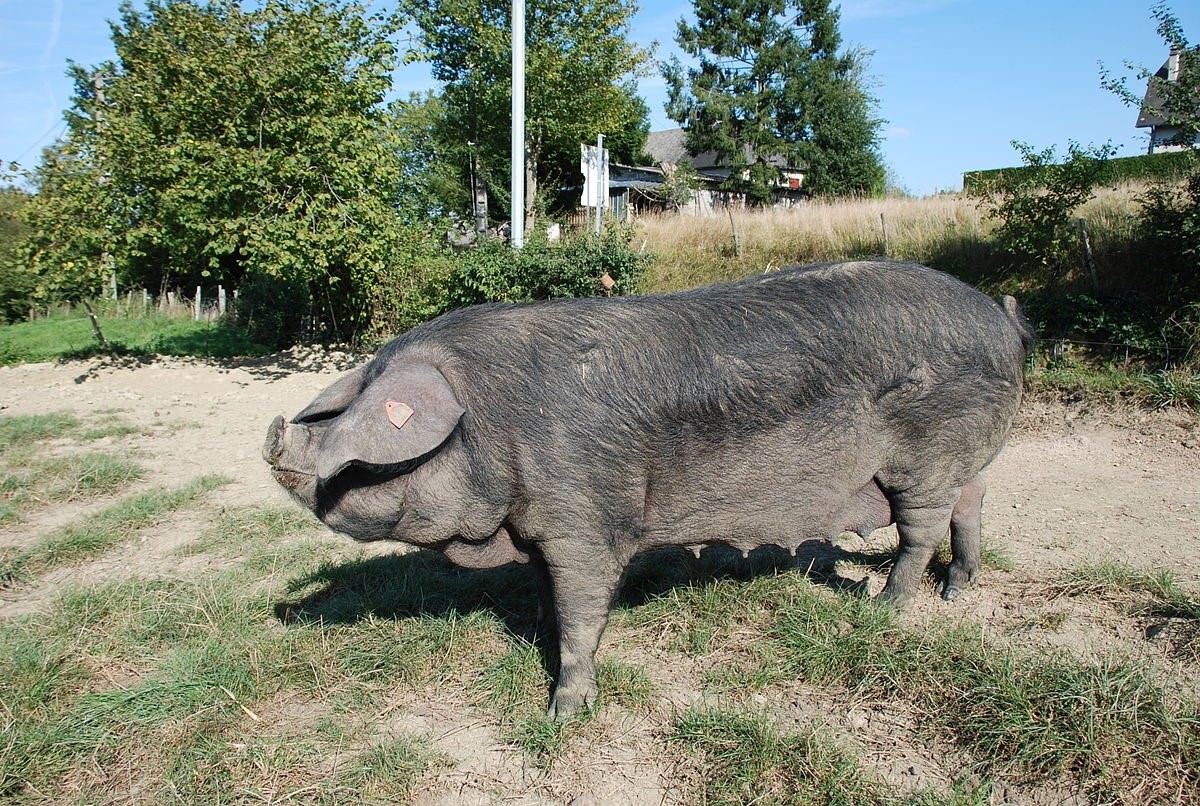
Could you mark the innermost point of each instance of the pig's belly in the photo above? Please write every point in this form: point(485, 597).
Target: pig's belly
point(768, 493)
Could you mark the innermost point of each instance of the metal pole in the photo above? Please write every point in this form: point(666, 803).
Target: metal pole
point(601, 187)
point(517, 220)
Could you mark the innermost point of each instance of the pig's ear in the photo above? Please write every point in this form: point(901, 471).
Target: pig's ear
point(402, 415)
point(336, 398)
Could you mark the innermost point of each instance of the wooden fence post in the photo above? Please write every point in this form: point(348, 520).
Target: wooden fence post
point(196, 306)
point(220, 300)
point(1088, 259)
point(883, 226)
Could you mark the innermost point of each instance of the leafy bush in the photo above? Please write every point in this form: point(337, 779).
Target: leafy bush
point(1170, 224)
point(427, 280)
point(1034, 208)
point(543, 270)
point(274, 310)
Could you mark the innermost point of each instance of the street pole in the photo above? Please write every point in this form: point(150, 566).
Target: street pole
point(601, 186)
point(517, 187)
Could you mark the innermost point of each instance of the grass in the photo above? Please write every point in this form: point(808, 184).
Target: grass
point(276, 676)
point(255, 529)
point(62, 337)
point(102, 530)
point(19, 431)
point(1106, 726)
point(205, 676)
point(1114, 383)
point(65, 478)
point(743, 758)
point(1153, 595)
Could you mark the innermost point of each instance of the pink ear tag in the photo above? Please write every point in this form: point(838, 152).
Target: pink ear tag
point(397, 413)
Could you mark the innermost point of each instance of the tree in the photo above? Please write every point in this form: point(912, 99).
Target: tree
point(580, 69)
point(772, 86)
point(224, 142)
point(16, 284)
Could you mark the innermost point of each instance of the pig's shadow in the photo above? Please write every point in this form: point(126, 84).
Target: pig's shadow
point(424, 583)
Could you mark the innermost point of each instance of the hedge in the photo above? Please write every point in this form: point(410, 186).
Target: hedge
point(1163, 165)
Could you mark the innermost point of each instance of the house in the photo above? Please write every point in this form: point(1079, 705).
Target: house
point(639, 188)
point(1163, 136)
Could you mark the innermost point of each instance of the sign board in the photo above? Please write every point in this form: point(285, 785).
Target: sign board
point(593, 164)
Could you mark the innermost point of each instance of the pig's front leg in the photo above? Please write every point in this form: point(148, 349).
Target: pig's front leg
point(585, 578)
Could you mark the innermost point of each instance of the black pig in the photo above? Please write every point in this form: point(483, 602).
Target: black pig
point(578, 433)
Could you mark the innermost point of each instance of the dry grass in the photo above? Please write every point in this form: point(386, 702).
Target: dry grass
point(951, 232)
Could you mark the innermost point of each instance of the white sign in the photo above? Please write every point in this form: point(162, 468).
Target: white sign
point(593, 164)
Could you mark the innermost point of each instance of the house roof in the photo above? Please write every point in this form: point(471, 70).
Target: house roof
point(670, 146)
point(1150, 113)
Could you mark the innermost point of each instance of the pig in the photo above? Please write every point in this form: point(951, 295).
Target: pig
point(574, 434)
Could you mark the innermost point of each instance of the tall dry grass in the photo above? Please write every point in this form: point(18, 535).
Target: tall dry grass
point(949, 232)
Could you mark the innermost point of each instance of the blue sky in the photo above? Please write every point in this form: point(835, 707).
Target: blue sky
point(957, 80)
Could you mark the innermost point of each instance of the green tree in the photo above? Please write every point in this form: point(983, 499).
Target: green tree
point(774, 86)
point(224, 142)
point(16, 283)
point(580, 82)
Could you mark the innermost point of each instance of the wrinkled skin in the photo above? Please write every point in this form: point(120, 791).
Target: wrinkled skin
point(578, 433)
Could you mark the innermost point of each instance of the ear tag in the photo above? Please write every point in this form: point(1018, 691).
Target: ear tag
point(397, 413)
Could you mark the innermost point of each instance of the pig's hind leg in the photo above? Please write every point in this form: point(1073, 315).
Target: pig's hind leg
point(964, 539)
point(922, 520)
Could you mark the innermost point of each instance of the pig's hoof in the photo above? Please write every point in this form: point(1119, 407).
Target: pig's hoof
point(894, 599)
point(951, 592)
point(568, 702)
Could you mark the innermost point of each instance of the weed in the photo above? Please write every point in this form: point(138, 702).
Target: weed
point(623, 683)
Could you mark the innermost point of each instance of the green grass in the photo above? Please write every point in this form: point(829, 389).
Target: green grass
point(1038, 717)
point(385, 774)
point(195, 658)
point(17, 431)
point(741, 757)
point(1114, 383)
point(1153, 595)
point(102, 530)
point(34, 483)
point(254, 529)
point(62, 337)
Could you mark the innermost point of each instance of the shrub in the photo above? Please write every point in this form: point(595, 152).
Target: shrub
point(1036, 233)
point(274, 310)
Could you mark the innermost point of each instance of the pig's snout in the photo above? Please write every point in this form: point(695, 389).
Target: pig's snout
point(273, 447)
point(287, 451)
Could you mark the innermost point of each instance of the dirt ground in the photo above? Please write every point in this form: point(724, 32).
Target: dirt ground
point(1074, 486)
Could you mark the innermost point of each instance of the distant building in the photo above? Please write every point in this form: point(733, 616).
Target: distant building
point(639, 188)
point(1163, 136)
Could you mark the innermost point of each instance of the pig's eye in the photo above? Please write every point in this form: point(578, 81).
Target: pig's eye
point(318, 417)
